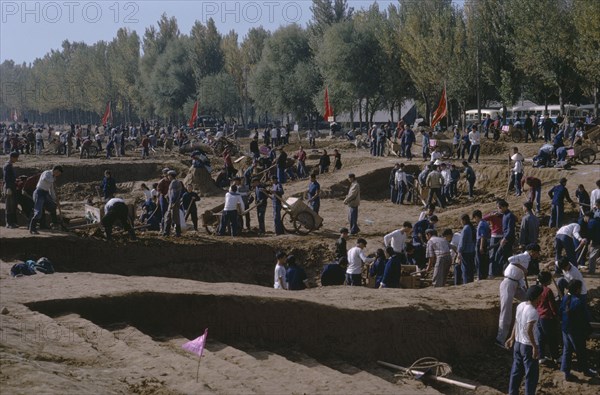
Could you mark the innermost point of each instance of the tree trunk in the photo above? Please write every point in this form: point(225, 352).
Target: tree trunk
point(595, 100)
point(427, 109)
point(561, 100)
point(367, 111)
point(360, 113)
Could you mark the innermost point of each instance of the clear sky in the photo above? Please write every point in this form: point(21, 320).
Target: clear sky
point(30, 29)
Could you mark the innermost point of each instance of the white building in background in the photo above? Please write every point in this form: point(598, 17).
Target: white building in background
point(381, 116)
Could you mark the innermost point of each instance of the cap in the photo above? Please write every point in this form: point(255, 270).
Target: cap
point(172, 173)
point(344, 230)
point(533, 247)
point(165, 170)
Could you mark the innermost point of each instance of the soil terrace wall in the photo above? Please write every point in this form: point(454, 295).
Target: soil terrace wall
point(399, 335)
point(94, 172)
point(213, 261)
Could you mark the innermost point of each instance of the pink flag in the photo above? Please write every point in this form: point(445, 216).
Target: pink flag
point(197, 345)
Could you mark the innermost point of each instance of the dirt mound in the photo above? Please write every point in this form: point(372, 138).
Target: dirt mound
point(202, 182)
point(489, 148)
point(373, 185)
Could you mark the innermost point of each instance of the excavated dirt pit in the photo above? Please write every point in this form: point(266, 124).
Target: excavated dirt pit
point(209, 260)
point(319, 330)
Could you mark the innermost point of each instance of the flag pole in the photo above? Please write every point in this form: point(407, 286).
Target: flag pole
point(198, 370)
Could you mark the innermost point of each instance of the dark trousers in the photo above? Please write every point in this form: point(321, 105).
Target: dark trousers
point(495, 266)
point(260, 216)
point(467, 265)
point(556, 215)
point(471, 184)
point(353, 280)
point(547, 332)
point(353, 220)
point(229, 218)
point(474, 152)
point(465, 148)
point(11, 206)
point(42, 201)
point(193, 213)
point(393, 194)
point(482, 263)
point(515, 182)
point(117, 213)
point(565, 242)
point(503, 254)
point(278, 223)
point(437, 193)
point(164, 206)
point(401, 193)
point(573, 343)
point(547, 135)
point(523, 365)
point(529, 132)
point(458, 274)
point(408, 151)
point(315, 205)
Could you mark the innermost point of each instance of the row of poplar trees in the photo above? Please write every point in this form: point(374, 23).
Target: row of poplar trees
point(369, 59)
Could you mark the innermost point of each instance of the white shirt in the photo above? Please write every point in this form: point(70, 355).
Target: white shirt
point(395, 239)
point(574, 274)
point(512, 271)
point(435, 155)
point(571, 230)
point(356, 257)
point(400, 177)
point(595, 195)
point(273, 133)
point(475, 138)
point(147, 194)
point(518, 167)
point(447, 177)
point(280, 272)
point(283, 132)
point(526, 314)
point(111, 203)
point(46, 183)
point(232, 200)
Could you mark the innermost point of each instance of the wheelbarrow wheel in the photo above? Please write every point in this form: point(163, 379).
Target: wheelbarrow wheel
point(210, 222)
point(288, 223)
point(304, 223)
point(587, 156)
point(516, 136)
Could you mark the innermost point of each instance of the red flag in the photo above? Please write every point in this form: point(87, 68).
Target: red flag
point(197, 345)
point(194, 115)
point(107, 114)
point(442, 109)
point(328, 109)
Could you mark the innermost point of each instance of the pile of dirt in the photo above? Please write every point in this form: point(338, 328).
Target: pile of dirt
point(373, 185)
point(202, 182)
point(490, 148)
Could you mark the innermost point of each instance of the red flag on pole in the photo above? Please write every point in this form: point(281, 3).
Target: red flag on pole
point(442, 109)
point(194, 115)
point(328, 109)
point(107, 114)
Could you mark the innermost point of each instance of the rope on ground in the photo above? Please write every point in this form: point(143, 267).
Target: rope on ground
point(437, 368)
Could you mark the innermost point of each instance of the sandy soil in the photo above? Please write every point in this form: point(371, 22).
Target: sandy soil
point(104, 325)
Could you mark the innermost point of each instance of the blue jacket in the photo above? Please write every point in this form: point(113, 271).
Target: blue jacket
point(509, 222)
point(10, 176)
point(574, 316)
point(392, 272)
point(467, 240)
point(559, 193)
point(108, 186)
